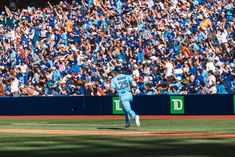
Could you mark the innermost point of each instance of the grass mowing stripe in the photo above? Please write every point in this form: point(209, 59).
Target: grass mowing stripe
point(156, 125)
point(116, 146)
point(50, 124)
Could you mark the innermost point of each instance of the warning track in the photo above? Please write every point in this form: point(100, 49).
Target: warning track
point(122, 133)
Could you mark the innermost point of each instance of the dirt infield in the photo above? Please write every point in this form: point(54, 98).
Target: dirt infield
point(121, 116)
point(122, 133)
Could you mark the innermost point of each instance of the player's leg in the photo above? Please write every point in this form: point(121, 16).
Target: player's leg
point(127, 108)
point(127, 118)
point(126, 99)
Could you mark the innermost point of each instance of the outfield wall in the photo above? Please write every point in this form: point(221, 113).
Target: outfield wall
point(95, 105)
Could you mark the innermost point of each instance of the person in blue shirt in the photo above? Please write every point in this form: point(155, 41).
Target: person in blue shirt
point(121, 83)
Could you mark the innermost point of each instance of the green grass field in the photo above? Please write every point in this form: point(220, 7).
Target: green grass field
point(41, 144)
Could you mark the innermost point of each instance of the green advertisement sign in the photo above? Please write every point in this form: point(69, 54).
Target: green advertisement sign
point(117, 109)
point(177, 104)
point(234, 103)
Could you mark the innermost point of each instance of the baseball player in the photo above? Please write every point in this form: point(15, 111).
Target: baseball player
point(122, 84)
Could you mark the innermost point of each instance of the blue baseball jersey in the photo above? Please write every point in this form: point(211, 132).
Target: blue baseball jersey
point(121, 83)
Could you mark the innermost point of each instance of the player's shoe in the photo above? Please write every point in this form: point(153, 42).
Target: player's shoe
point(137, 120)
point(127, 125)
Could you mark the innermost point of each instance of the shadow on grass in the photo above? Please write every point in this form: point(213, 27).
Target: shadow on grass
point(114, 146)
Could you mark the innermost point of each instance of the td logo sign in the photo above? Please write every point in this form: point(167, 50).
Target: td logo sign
point(117, 109)
point(177, 104)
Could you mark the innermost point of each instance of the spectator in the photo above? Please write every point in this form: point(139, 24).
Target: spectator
point(211, 80)
point(170, 47)
point(2, 92)
point(204, 89)
point(14, 85)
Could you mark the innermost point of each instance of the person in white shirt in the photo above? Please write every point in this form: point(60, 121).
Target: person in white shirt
point(150, 3)
point(174, 2)
point(211, 80)
point(15, 86)
point(23, 67)
point(210, 65)
point(169, 68)
point(222, 36)
point(136, 73)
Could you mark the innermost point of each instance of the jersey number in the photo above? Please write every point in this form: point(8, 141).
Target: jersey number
point(123, 84)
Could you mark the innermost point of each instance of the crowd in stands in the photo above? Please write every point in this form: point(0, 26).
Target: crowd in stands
point(168, 46)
